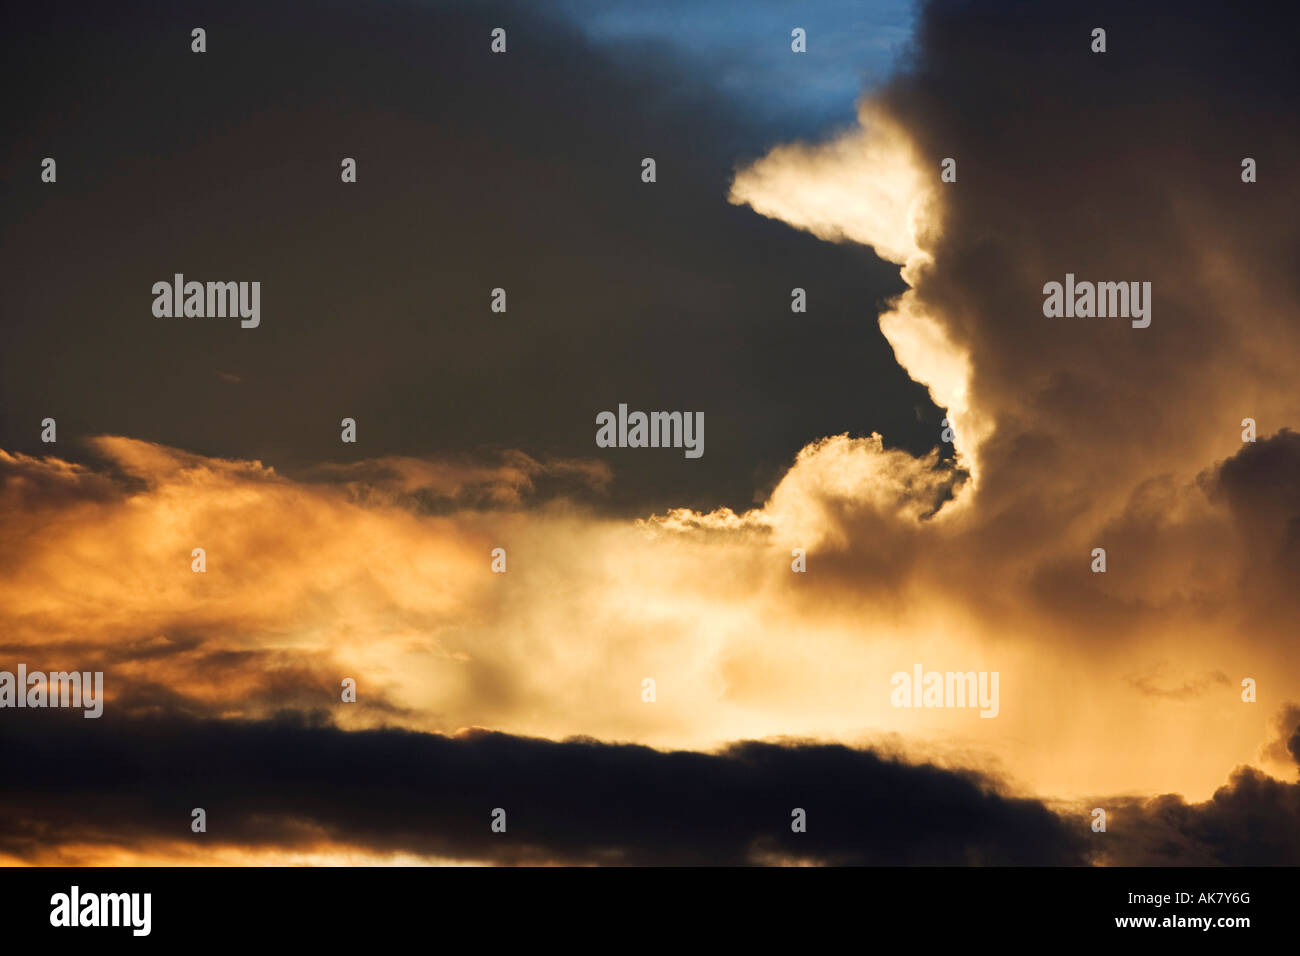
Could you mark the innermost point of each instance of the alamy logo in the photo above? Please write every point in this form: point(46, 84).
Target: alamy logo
point(947, 689)
point(103, 909)
point(211, 300)
point(655, 430)
point(1123, 300)
point(56, 689)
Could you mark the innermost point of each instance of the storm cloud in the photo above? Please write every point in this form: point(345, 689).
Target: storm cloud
point(968, 549)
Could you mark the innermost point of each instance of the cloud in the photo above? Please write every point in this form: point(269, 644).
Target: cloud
point(1070, 435)
point(1253, 820)
point(1188, 689)
point(1261, 486)
point(297, 785)
point(294, 785)
point(450, 484)
point(530, 180)
point(353, 575)
point(833, 483)
point(300, 580)
point(1084, 433)
point(865, 186)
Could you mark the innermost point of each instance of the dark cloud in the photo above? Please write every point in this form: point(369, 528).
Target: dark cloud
point(1261, 485)
point(1125, 166)
point(1254, 820)
point(297, 783)
point(475, 172)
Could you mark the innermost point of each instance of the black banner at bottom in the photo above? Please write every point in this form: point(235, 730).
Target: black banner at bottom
point(149, 906)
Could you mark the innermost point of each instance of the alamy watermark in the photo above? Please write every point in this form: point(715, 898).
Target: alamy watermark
point(75, 908)
point(208, 300)
point(1085, 300)
point(83, 689)
point(652, 430)
point(946, 689)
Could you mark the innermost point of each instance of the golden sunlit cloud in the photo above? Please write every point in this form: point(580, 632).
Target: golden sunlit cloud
point(309, 583)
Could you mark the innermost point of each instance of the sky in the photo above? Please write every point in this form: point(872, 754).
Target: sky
point(744, 52)
point(670, 655)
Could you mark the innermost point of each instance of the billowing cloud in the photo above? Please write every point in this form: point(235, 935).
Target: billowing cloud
point(309, 582)
point(1087, 433)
